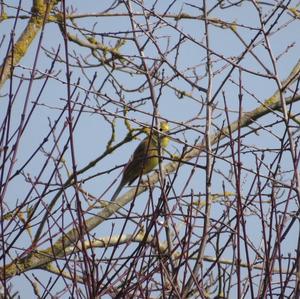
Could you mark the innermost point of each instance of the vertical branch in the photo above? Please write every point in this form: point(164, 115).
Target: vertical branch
point(81, 222)
point(240, 208)
point(208, 166)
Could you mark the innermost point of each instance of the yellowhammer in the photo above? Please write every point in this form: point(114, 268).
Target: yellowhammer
point(145, 157)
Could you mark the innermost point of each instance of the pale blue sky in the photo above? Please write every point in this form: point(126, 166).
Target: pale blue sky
point(92, 133)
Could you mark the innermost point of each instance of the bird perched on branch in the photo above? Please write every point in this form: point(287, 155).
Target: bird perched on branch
point(145, 157)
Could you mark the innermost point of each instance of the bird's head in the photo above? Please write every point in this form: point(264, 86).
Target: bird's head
point(164, 126)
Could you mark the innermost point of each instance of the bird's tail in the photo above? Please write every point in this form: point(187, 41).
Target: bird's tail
point(117, 192)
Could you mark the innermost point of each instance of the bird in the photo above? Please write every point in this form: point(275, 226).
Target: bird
point(145, 157)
